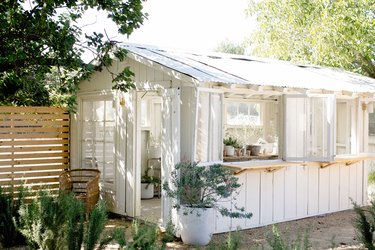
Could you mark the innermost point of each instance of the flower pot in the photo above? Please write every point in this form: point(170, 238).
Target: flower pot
point(255, 149)
point(229, 150)
point(196, 225)
point(147, 190)
point(267, 148)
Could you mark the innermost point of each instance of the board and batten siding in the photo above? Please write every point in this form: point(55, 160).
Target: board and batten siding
point(145, 77)
point(294, 192)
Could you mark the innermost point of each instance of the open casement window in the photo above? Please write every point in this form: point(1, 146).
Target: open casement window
point(209, 139)
point(309, 127)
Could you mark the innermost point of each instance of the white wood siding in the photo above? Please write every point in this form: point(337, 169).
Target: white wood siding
point(145, 77)
point(295, 192)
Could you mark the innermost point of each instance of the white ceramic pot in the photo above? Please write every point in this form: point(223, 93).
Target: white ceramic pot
point(229, 150)
point(196, 229)
point(147, 190)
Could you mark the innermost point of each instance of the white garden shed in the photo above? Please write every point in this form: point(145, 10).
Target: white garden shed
point(314, 122)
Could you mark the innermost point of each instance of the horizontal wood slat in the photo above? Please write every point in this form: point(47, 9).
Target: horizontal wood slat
point(34, 147)
point(42, 181)
point(34, 162)
point(22, 174)
point(33, 135)
point(31, 123)
point(34, 155)
point(23, 117)
point(33, 168)
point(7, 109)
point(33, 142)
point(4, 129)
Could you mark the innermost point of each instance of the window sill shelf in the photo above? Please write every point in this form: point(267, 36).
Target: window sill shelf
point(273, 165)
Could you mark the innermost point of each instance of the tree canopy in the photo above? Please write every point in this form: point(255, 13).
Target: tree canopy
point(41, 47)
point(338, 33)
point(228, 46)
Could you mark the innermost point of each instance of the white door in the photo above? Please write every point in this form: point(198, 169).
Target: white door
point(170, 144)
point(98, 135)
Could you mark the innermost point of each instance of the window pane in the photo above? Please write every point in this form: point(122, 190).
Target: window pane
point(231, 113)
point(247, 114)
point(309, 127)
point(243, 109)
point(99, 110)
point(109, 111)
point(202, 128)
point(318, 131)
point(295, 127)
point(144, 113)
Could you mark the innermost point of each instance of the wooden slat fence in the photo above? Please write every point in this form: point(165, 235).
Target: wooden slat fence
point(34, 147)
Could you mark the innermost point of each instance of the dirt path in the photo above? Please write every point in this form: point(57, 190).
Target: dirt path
point(331, 231)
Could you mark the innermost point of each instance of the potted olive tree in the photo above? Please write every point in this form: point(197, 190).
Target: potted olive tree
point(196, 191)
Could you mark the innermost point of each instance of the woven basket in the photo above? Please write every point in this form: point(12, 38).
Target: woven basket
point(84, 183)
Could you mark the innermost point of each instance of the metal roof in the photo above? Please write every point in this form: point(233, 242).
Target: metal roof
point(238, 69)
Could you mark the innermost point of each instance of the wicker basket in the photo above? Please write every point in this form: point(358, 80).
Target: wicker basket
point(84, 183)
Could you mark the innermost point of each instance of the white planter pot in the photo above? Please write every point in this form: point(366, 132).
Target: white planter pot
point(196, 230)
point(229, 150)
point(154, 152)
point(147, 190)
point(266, 148)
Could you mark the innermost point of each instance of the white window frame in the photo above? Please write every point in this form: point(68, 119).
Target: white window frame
point(211, 123)
point(307, 123)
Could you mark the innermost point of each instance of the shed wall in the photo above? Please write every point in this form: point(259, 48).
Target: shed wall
point(295, 192)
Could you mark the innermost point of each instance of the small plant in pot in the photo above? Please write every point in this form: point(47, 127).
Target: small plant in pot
point(197, 192)
point(148, 183)
point(230, 144)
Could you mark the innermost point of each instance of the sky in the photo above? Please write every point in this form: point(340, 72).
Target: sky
point(192, 25)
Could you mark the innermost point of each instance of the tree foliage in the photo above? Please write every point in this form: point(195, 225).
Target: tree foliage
point(338, 33)
point(227, 46)
point(41, 47)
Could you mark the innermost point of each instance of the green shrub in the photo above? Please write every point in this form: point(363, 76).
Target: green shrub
point(145, 235)
point(277, 241)
point(57, 222)
point(371, 177)
point(364, 225)
point(97, 220)
point(9, 235)
point(43, 222)
point(75, 225)
point(232, 242)
point(169, 234)
point(117, 235)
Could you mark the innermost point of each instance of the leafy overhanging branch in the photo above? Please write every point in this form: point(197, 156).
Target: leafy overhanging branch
point(41, 50)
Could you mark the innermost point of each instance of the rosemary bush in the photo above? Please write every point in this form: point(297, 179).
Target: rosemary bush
point(278, 241)
point(9, 235)
point(364, 224)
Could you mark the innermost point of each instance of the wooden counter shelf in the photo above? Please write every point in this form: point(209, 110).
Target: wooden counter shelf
point(249, 158)
point(271, 163)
